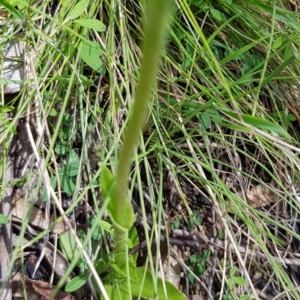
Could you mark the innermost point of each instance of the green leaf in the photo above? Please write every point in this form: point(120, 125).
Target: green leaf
point(245, 297)
point(67, 184)
point(69, 246)
point(281, 40)
point(90, 54)
point(147, 290)
point(108, 189)
point(128, 221)
point(96, 234)
point(291, 117)
point(239, 280)
point(115, 293)
point(92, 24)
point(232, 271)
point(6, 108)
point(206, 254)
point(77, 282)
point(194, 258)
point(70, 170)
point(62, 148)
point(4, 219)
point(78, 9)
point(230, 283)
point(219, 16)
point(73, 157)
point(191, 277)
point(108, 183)
point(53, 112)
point(206, 120)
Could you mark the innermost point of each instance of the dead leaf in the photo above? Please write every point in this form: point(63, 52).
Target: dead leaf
point(259, 196)
point(37, 217)
point(37, 290)
point(48, 290)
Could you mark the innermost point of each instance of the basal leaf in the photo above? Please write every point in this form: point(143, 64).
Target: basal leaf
point(219, 16)
point(206, 120)
point(239, 280)
point(73, 157)
point(77, 282)
point(68, 246)
point(90, 54)
point(147, 290)
point(107, 183)
point(92, 24)
point(67, 184)
point(62, 148)
point(78, 9)
point(70, 169)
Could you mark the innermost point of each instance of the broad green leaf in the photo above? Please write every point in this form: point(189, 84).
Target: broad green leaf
point(67, 184)
point(62, 147)
point(206, 120)
point(115, 294)
point(90, 54)
point(147, 290)
point(219, 16)
point(4, 219)
point(230, 283)
point(107, 183)
point(77, 282)
point(53, 112)
point(92, 24)
point(108, 189)
point(6, 108)
point(70, 170)
point(291, 117)
point(281, 40)
point(127, 218)
point(232, 271)
point(191, 277)
point(206, 254)
point(69, 246)
point(201, 267)
point(78, 9)
point(73, 157)
point(239, 280)
point(194, 258)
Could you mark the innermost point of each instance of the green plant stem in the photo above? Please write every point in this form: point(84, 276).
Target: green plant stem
point(156, 16)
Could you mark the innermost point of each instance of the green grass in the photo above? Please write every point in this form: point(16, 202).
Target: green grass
point(222, 122)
